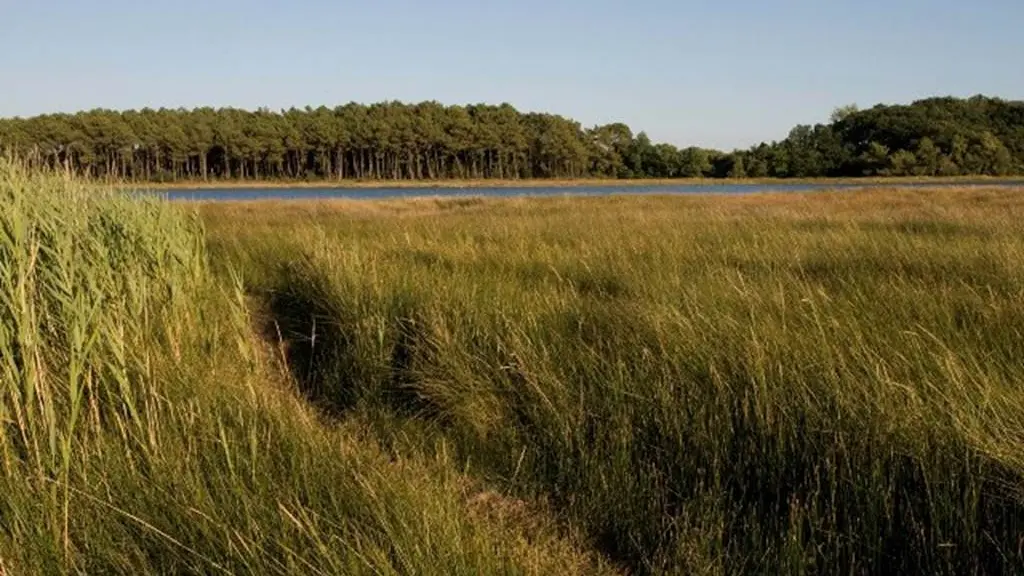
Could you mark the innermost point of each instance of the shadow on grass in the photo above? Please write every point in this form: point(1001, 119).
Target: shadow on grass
point(333, 360)
point(312, 341)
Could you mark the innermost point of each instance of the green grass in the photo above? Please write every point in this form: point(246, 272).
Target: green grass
point(798, 384)
point(146, 428)
point(823, 383)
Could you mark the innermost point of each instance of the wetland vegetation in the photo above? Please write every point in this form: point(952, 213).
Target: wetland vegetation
point(802, 384)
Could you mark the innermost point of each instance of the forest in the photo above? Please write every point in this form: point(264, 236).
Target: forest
point(942, 136)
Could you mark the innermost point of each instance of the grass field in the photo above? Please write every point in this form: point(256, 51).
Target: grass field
point(797, 384)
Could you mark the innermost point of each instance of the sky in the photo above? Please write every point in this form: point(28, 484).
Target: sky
point(692, 73)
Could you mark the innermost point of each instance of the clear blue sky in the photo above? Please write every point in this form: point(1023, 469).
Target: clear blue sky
point(722, 74)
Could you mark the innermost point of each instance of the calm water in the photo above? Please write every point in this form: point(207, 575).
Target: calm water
point(220, 194)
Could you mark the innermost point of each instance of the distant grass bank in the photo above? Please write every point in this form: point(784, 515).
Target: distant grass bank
point(556, 182)
point(773, 383)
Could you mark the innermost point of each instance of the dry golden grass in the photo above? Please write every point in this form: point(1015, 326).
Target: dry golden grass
point(799, 383)
point(778, 383)
point(957, 203)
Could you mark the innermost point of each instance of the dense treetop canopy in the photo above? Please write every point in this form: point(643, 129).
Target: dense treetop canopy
point(397, 141)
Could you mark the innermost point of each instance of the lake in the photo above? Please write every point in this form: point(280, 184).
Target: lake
point(284, 193)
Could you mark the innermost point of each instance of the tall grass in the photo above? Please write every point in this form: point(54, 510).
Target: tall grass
point(804, 384)
point(146, 429)
point(85, 283)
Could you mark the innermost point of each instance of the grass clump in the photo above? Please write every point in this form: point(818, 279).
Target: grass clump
point(799, 384)
point(145, 427)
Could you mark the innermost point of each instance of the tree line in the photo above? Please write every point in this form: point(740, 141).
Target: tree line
point(931, 137)
point(428, 140)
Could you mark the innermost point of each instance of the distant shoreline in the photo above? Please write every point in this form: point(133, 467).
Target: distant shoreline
point(553, 182)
